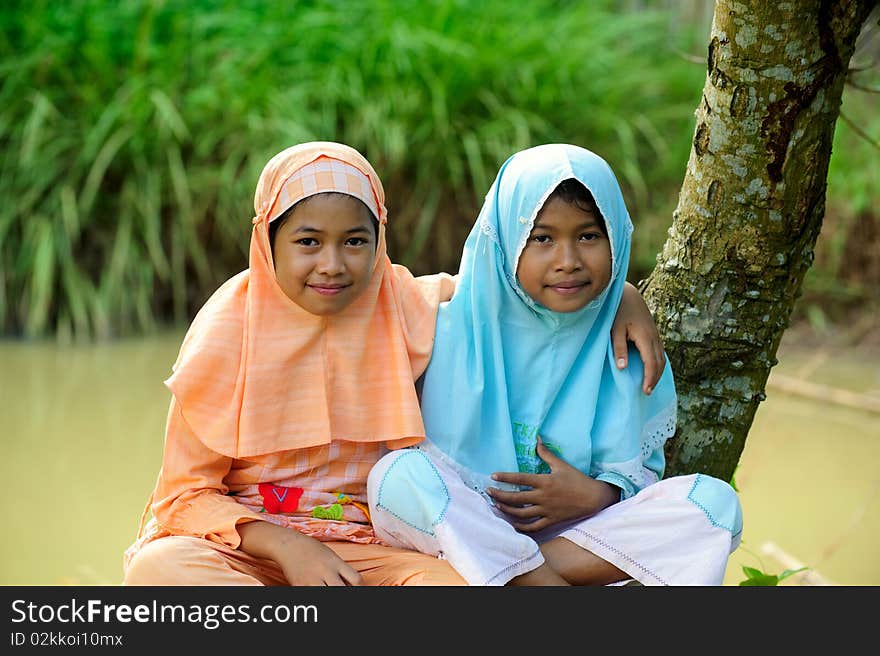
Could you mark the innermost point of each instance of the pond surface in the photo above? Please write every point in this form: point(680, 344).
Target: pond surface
point(808, 478)
point(83, 431)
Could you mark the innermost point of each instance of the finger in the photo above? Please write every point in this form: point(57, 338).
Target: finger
point(511, 498)
point(547, 455)
point(657, 371)
point(350, 575)
point(528, 512)
point(517, 478)
point(353, 579)
point(650, 375)
point(531, 527)
point(333, 580)
point(661, 358)
point(618, 339)
point(647, 349)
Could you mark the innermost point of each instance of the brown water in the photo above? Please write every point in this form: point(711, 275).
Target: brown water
point(83, 431)
point(809, 477)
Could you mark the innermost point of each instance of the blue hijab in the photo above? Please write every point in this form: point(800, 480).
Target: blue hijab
point(506, 370)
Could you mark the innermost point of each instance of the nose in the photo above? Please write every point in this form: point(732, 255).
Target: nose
point(568, 257)
point(330, 262)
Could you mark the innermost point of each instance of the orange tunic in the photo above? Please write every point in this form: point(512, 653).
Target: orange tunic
point(264, 392)
point(203, 494)
point(201, 497)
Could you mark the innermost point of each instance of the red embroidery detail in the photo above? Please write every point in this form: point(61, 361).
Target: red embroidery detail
point(280, 499)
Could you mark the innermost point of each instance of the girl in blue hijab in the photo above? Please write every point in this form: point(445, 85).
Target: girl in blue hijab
point(544, 460)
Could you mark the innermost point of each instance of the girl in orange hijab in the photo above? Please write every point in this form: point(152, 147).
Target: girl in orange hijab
point(294, 378)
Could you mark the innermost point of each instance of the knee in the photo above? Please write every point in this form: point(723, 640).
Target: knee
point(409, 487)
point(160, 562)
point(379, 471)
point(719, 502)
point(404, 472)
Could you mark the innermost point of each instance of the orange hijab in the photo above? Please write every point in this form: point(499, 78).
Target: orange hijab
point(258, 374)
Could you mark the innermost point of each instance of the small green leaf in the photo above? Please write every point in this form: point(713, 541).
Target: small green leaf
point(751, 572)
point(755, 577)
point(761, 580)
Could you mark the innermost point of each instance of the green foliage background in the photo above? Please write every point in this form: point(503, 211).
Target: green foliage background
point(132, 133)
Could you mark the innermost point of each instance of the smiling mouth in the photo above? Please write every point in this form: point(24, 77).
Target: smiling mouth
point(569, 288)
point(328, 290)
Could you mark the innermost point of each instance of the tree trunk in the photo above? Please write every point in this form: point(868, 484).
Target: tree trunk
point(748, 214)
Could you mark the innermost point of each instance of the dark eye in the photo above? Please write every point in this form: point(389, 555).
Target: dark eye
point(591, 236)
point(357, 241)
point(541, 239)
point(307, 242)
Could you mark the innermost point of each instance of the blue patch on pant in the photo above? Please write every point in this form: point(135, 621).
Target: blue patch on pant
point(718, 501)
point(413, 491)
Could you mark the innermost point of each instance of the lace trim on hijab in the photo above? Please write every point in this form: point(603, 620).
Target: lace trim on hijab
point(488, 229)
point(654, 435)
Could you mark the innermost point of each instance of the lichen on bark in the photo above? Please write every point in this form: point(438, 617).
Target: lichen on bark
point(749, 212)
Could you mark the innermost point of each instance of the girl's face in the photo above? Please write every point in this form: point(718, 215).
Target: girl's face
point(567, 260)
point(324, 253)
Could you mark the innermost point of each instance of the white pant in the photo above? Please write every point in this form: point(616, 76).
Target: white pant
point(679, 531)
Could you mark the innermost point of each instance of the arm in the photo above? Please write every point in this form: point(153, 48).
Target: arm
point(303, 559)
point(191, 499)
point(435, 285)
point(634, 322)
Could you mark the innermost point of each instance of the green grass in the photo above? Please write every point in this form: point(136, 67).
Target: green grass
point(133, 133)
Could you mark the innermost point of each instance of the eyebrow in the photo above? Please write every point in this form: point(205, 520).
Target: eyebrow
point(309, 229)
point(592, 222)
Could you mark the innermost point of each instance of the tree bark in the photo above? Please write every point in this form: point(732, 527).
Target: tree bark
point(749, 212)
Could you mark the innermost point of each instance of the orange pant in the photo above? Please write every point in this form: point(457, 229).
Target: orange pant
point(179, 560)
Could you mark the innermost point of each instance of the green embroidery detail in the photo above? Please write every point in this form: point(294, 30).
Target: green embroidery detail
point(333, 511)
point(525, 432)
point(525, 446)
point(544, 468)
point(554, 448)
point(525, 439)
